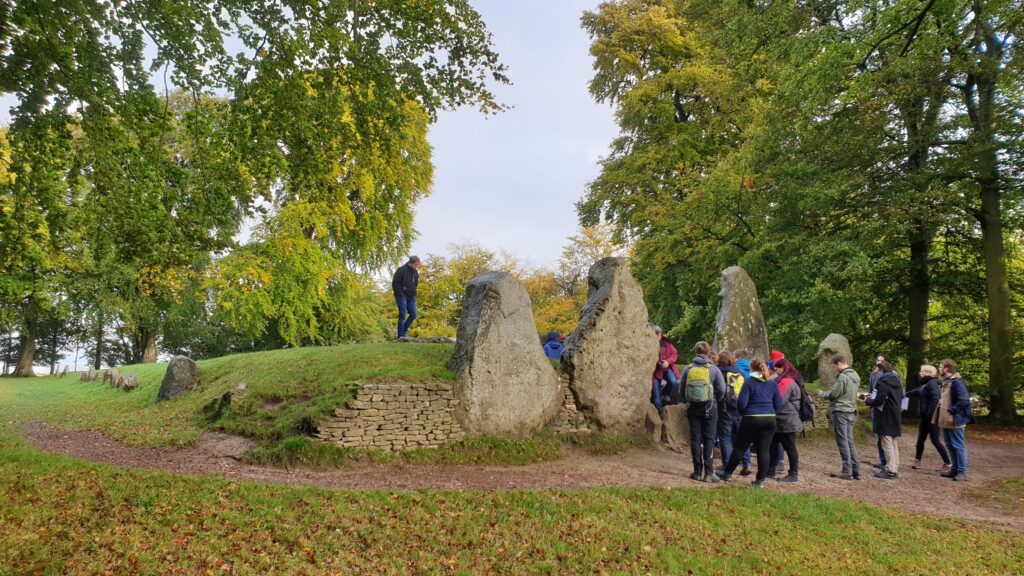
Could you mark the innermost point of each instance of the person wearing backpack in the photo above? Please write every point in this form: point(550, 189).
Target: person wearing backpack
point(929, 392)
point(842, 398)
point(728, 413)
point(787, 422)
point(759, 399)
point(703, 389)
point(887, 402)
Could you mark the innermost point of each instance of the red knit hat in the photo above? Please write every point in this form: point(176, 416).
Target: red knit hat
point(776, 356)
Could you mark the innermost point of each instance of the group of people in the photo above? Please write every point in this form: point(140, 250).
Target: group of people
point(757, 406)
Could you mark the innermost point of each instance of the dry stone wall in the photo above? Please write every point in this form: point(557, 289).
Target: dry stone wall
point(395, 417)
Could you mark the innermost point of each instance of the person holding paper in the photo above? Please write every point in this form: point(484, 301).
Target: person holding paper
point(887, 401)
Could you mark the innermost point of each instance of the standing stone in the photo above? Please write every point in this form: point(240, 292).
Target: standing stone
point(64, 372)
point(89, 375)
point(612, 352)
point(505, 385)
point(740, 323)
point(652, 423)
point(182, 376)
point(832, 345)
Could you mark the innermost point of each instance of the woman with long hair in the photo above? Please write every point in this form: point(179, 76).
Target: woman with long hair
point(757, 402)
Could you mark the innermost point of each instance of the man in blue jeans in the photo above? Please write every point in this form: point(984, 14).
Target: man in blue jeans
point(842, 398)
point(404, 284)
point(953, 416)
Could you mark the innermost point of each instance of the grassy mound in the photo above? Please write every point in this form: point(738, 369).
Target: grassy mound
point(285, 390)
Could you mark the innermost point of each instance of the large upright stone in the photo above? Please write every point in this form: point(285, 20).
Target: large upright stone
point(740, 323)
point(182, 376)
point(612, 352)
point(505, 385)
point(832, 345)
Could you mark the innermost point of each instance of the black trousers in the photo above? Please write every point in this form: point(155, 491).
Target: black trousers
point(756, 432)
point(703, 428)
point(788, 442)
point(925, 429)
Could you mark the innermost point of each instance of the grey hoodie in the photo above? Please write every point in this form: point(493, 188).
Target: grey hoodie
point(717, 383)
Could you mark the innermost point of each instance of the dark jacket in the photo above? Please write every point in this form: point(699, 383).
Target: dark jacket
point(928, 392)
point(668, 353)
point(405, 281)
point(723, 406)
point(717, 384)
point(888, 405)
point(758, 398)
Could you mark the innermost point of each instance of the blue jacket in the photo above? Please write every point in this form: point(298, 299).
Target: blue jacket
point(743, 365)
point(960, 402)
point(553, 349)
point(758, 397)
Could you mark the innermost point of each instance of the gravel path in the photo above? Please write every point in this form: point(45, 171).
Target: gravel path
point(917, 491)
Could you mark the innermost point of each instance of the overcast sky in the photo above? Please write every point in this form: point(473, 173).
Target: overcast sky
point(511, 181)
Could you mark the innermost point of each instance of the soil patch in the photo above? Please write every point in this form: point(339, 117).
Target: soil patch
point(916, 492)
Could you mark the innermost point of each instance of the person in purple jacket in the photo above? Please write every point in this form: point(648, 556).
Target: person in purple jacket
point(758, 401)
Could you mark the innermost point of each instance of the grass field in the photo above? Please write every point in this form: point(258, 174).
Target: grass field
point(61, 516)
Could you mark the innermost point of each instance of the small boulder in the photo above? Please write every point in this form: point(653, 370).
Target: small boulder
point(182, 376)
point(505, 386)
point(739, 322)
point(675, 426)
point(113, 377)
point(128, 383)
point(653, 424)
point(832, 345)
point(611, 353)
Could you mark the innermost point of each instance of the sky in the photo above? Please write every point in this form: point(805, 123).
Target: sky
point(510, 181)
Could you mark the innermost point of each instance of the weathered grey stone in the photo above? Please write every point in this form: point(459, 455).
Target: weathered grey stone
point(505, 385)
point(182, 376)
point(739, 322)
point(64, 372)
point(128, 382)
point(89, 375)
point(610, 355)
point(113, 377)
point(652, 424)
point(832, 345)
point(675, 426)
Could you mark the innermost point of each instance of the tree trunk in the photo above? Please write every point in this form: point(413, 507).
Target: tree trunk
point(920, 287)
point(980, 98)
point(26, 352)
point(98, 356)
point(149, 346)
point(53, 355)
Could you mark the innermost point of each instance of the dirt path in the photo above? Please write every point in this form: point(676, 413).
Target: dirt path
point(917, 491)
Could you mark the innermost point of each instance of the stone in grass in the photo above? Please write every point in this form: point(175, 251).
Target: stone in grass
point(505, 385)
point(182, 376)
point(610, 355)
point(833, 345)
point(128, 383)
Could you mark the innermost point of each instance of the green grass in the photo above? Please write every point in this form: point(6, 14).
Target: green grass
point(62, 516)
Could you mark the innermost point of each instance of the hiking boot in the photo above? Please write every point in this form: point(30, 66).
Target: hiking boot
point(791, 478)
point(950, 474)
point(723, 475)
point(947, 467)
point(745, 471)
point(770, 473)
point(842, 476)
point(757, 484)
point(916, 465)
point(695, 476)
point(886, 475)
point(711, 478)
point(856, 476)
point(960, 478)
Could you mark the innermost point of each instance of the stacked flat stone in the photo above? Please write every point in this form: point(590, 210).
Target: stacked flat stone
point(395, 417)
point(569, 420)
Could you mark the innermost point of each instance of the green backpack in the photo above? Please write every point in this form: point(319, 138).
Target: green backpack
point(698, 384)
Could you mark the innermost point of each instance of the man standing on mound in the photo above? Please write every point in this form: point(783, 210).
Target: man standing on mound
point(404, 284)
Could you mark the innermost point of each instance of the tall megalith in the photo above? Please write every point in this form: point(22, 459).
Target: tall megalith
point(612, 352)
point(504, 384)
point(739, 322)
point(830, 347)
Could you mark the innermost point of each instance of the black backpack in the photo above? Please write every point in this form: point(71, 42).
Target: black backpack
point(807, 409)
